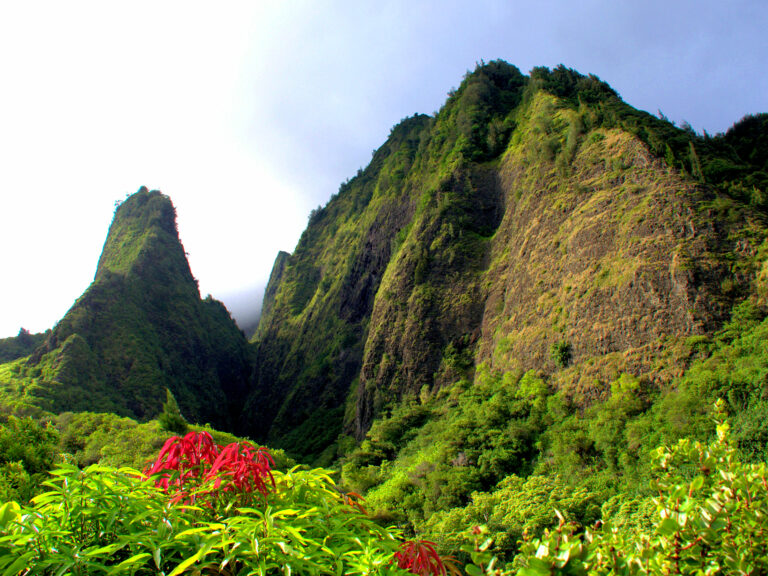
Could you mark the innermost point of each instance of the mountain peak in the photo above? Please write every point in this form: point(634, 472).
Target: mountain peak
point(141, 327)
point(143, 234)
point(531, 214)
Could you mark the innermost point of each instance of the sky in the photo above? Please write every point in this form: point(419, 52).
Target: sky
point(249, 114)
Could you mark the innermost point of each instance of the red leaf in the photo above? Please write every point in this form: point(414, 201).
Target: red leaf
point(195, 458)
point(420, 557)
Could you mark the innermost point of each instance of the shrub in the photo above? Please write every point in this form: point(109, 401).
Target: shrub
point(712, 516)
point(420, 557)
point(561, 353)
point(195, 467)
point(170, 418)
point(28, 450)
point(191, 514)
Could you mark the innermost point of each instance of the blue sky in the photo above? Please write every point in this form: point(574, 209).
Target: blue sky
point(250, 114)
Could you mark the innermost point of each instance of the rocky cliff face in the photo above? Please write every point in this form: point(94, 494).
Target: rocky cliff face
point(141, 327)
point(531, 215)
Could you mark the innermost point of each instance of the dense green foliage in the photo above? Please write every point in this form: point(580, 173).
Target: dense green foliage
point(19, 346)
point(28, 450)
point(103, 438)
point(103, 520)
point(710, 518)
point(508, 449)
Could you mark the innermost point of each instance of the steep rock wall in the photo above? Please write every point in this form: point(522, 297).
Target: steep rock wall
point(530, 214)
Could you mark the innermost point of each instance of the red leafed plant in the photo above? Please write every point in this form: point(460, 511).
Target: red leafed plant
point(184, 464)
point(354, 500)
point(420, 557)
point(243, 467)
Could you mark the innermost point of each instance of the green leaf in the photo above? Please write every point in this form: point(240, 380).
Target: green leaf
point(296, 533)
point(46, 497)
point(19, 564)
point(133, 560)
point(9, 512)
point(697, 483)
point(473, 570)
point(110, 549)
point(286, 512)
point(200, 529)
point(187, 563)
point(667, 527)
point(63, 568)
point(536, 567)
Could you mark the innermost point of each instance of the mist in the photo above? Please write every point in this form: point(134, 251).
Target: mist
point(245, 306)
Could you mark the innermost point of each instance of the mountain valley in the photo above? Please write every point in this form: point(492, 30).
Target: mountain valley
point(503, 314)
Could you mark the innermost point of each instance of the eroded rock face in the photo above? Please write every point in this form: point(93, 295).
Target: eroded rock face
point(516, 221)
point(607, 259)
point(615, 256)
point(432, 295)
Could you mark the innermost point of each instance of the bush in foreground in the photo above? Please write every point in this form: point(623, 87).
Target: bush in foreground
point(199, 509)
point(203, 509)
point(712, 519)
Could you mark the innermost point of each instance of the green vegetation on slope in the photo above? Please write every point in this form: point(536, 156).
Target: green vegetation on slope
point(30, 448)
point(28, 451)
point(508, 309)
point(329, 283)
point(140, 328)
point(509, 448)
point(531, 212)
point(19, 346)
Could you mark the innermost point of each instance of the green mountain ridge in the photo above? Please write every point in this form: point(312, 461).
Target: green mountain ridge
point(139, 328)
point(534, 223)
point(502, 315)
point(531, 214)
point(20, 345)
